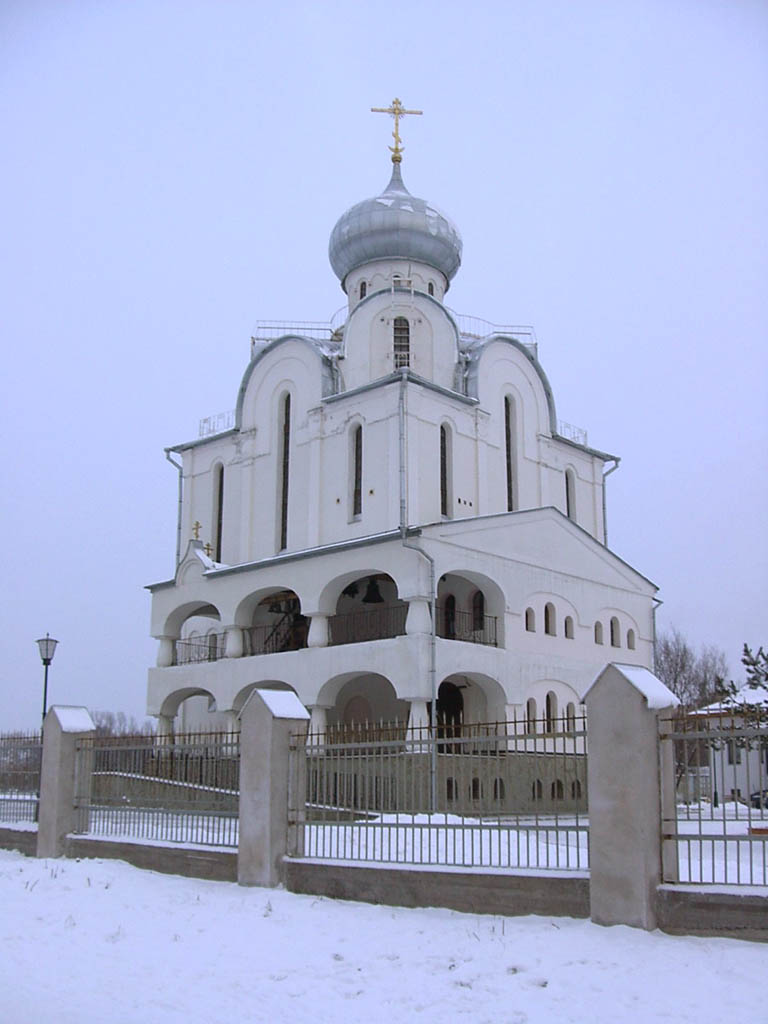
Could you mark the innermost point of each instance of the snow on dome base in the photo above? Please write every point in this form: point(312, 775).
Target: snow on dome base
point(394, 225)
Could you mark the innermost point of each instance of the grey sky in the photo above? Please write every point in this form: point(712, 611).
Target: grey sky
point(172, 172)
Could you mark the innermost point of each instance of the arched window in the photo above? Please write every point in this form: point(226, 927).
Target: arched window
point(285, 464)
point(615, 633)
point(568, 626)
point(576, 790)
point(598, 632)
point(431, 288)
point(449, 611)
point(477, 789)
point(478, 611)
point(530, 620)
point(530, 715)
point(445, 470)
point(537, 790)
point(570, 494)
point(218, 510)
point(550, 626)
point(499, 789)
point(363, 289)
point(357, 471)
point(556, 789)
point(510, 451)
point(402, 342)
point(570, 716)
point(450, 788)
point(551, 711)
point(631, 639)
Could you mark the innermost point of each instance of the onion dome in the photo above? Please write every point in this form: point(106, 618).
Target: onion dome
point(394, 225)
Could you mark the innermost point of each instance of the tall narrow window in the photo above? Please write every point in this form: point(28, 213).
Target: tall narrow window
point(478, 611)
point(615, 633)
point(530, 620)
point(509, 447)
point(430, 288)
point(357, 470)
point(284, 470)
point(550, 626)
point(445, 469)
point(550, 711)
point(598, 632)
point(363, 289)
point(570, 494)
point(402, 342)
point(218, 510)
point(450, 617)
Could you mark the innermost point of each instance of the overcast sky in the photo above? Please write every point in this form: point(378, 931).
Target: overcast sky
point(172, 171)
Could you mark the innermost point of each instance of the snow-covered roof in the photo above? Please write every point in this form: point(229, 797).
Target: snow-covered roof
point(750, 696)
point(73, 719)
point(283, 703)
point(656, 694)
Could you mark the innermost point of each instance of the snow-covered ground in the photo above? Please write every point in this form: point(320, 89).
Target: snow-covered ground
point(102, 941)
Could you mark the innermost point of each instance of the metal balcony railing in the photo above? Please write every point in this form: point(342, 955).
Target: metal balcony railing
point(373, 624)
point(466, 626)
point(286, 635)
point(199, 649)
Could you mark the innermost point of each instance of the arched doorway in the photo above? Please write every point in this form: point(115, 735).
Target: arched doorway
point(450, 710)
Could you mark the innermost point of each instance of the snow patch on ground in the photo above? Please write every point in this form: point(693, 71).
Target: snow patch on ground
point(103, 941)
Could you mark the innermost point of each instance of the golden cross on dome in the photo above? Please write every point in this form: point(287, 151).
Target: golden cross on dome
point(397, 110)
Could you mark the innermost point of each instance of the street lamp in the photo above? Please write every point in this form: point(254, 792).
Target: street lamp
point(47, 646)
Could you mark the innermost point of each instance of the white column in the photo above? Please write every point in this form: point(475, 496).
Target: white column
point(419, 619)
point(234, 642)
point(166, 651)
point(318, 631)
point(318, 723)
point(164, 727)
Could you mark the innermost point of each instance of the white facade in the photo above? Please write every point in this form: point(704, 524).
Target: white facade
point(397, 472)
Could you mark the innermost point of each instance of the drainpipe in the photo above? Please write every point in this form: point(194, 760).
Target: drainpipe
point(432, 608)
point(656, 604)
point(178, 513)
point(613, 469)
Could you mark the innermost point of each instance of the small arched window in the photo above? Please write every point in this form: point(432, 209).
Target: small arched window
point(402, 342)
point(450, 788)
point(530, 620)
point(598, 632)
point(530, 715)
point(550, 625)
point(568, 627)
point(570, 716)
point(615, 633)
point(363, 289)
point(478, 611)
point(445, 470)
point(357, 471)
point(499, 789)
point(570, 494)
point(556, 789)
point(537, 790)
point(477, 789)
point(430, 288)
point(631, 639)
point(551, 711)
point(576, 790)
point(218, 510)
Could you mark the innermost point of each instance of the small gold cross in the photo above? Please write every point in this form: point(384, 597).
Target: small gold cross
point(196, 528)
point(208, 549)
point(397, 110)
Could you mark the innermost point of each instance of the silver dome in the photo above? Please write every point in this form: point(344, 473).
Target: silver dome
point(394, 225)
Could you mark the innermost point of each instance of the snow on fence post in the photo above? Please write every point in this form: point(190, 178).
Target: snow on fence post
point(625, 794)
point(268, 721)
point(63, 727)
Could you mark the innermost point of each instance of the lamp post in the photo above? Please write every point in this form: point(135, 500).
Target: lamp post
point(47, 646)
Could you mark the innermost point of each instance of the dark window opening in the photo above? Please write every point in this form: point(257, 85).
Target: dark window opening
point(357, 486)
point(363, 289)
point(219, 520)
point(285, 467)
point(509, 435)
point(402, 342)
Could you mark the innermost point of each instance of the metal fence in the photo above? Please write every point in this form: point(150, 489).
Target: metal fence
point(719, 833)
point(179, 790)
point(21, 756)
point(491, 795)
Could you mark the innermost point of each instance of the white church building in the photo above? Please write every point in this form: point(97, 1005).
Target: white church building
point(395, 521)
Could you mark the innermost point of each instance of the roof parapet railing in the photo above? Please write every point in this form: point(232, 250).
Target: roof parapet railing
point(572, 433)
point(475, 328)
point(217, 424)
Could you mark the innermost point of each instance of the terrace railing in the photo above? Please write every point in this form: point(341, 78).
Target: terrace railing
point(465, 626)
point(473, 795)
point(288, 635)
point(21, 756)
point(719, 831)
point(371, 624)
point(183, 789)
point(199, 649)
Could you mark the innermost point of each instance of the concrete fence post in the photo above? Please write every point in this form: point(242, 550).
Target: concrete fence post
point(625, 794)
point(267, 722)
point(63, 727)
